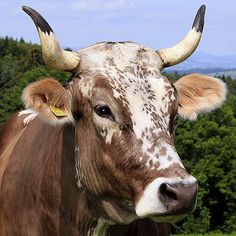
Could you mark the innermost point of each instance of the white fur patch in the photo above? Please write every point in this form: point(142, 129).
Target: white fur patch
point(141, 120)
point(31, 115)
point(150, 203)
point(109, 135)
point(148, 100)
point(171, 157)
point(94, 57)
point(86, 88)
point(79, 174)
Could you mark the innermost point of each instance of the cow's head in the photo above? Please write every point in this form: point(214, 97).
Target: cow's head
point(124, 113)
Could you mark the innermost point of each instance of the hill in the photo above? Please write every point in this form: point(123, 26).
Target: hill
point(227, 73)
point(207, 64)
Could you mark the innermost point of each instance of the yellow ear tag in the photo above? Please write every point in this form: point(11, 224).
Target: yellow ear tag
point(57, 111)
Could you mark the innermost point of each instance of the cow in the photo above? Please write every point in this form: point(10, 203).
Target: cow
point(96, 156)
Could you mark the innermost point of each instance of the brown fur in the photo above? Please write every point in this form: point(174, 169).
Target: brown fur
point(60, 180)
point(9, 130)
point(39, 195)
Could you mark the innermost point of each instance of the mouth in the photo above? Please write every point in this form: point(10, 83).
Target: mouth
point(171, 216)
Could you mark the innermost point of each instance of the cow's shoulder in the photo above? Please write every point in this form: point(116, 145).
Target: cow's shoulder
point(30, 174)
point(14, 125)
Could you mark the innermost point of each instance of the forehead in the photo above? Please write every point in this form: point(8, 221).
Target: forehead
point(142, 93)
point(129, 75)
point(150, 102)
point(149, 97)
point(121, 55)
point(132, 73)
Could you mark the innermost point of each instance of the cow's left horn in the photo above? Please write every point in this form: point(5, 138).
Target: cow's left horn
point(53, 55)
point(185, 48)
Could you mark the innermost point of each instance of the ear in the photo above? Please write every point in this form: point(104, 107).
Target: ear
point(50, 100)
point(199, 93)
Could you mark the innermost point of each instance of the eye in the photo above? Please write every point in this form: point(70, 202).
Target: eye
point(104, 111)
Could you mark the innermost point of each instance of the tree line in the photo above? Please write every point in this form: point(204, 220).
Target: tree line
point(206, 146)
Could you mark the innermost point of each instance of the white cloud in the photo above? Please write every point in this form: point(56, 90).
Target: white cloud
point(153, 23)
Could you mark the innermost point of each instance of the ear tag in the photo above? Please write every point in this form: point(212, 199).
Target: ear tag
point(57, 111)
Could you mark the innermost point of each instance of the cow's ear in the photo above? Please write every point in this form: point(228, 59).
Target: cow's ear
point(50, 100)
point(199, 94)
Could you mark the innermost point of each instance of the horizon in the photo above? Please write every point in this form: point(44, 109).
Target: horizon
point(122, 20)
point(196, 52)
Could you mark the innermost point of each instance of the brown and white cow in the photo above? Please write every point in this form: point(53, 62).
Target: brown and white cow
point(97, 156)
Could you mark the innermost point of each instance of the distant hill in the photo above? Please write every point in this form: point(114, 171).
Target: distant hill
point(208, 64)
point(230, 73)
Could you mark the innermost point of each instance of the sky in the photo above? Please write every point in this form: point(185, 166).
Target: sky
point(153, 23)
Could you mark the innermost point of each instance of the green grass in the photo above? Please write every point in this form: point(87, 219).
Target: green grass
point(209, 234)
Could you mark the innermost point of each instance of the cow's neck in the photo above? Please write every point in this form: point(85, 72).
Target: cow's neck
point(62, 207)
point(94, 184)
point(43, 165)
point(87, 209)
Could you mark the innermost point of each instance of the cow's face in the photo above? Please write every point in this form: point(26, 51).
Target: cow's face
point(124, 112)
point(124, 116)
point(132, 109)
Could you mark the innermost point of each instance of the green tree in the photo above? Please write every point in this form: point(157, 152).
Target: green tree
point(20, 64)
point(207, 148)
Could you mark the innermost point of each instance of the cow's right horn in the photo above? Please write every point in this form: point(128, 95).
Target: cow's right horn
point(53, 55)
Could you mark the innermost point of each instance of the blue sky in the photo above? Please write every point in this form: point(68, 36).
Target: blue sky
point(153, 23)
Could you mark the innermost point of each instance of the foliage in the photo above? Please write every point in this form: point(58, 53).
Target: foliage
point(20, 64)
point(206, 146)
point(208, 234)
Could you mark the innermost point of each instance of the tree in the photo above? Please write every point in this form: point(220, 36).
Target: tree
point(207, 148)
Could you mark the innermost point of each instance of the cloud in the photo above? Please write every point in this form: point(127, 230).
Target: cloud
point(153, 23)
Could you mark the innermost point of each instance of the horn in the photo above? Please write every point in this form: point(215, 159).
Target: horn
point(185, 48)
point(53, 55)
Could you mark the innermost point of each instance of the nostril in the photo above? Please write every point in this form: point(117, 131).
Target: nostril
point(167, 191)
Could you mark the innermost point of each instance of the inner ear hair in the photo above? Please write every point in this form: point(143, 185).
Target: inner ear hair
point(199, 93)
point(50, 100)
point(47, 91)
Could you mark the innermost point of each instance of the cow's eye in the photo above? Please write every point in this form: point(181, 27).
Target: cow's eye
point(104, 111)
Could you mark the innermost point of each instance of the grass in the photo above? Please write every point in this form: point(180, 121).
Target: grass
point(209, 234)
